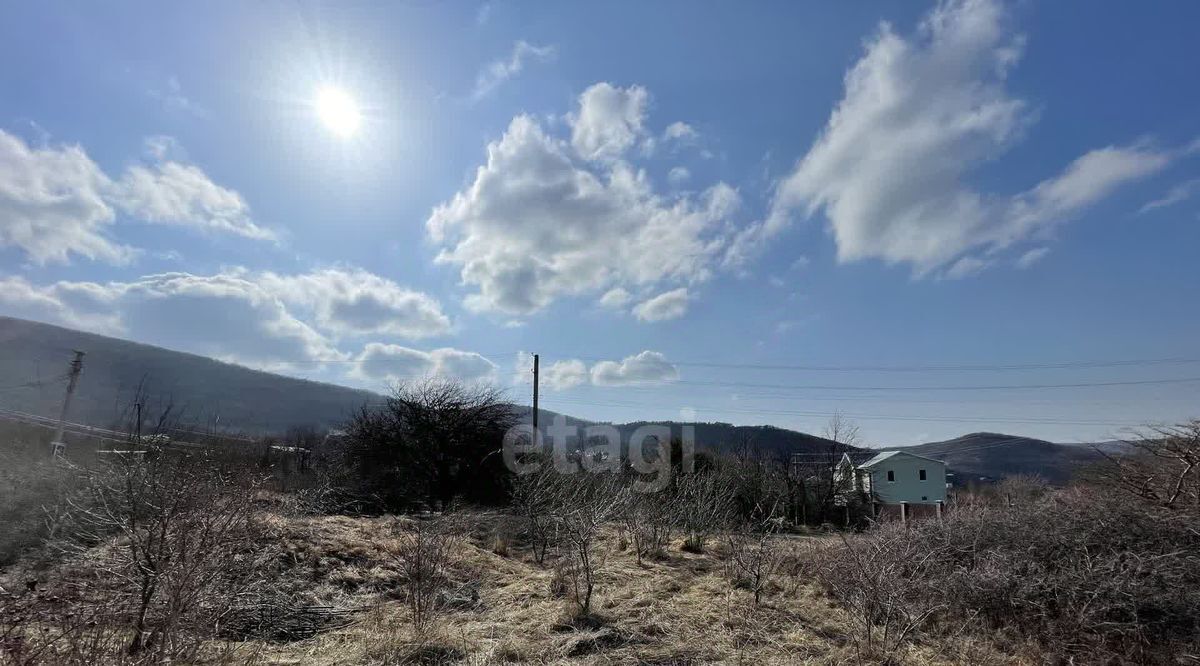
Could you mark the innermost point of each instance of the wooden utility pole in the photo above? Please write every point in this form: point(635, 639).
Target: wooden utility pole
point(137, 427)
point(58, 447)
point(535, 397)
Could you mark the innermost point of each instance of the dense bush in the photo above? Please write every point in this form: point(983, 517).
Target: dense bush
point(430, 443)
point(1086, 573)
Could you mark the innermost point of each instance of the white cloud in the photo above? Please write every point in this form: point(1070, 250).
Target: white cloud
point(648, 366)
point(1177, 194)
point(350, 301)
point(563, 375)
point(933, 108)
point(396, 363)
point(225, 316)
point(1031, 257)
point(617, 297)
point(609, 121)
point(667, 305)
point(56, 202)
point(499, 71)
point(182, 194)
point(678, 175)
point(52, 204)
point(538, 224)
point(83, 305)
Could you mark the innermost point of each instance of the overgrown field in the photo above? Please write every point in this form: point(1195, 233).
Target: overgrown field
point(497, 605)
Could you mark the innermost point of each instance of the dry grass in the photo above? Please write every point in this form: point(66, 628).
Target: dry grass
point(677, 610)
point(680, 609)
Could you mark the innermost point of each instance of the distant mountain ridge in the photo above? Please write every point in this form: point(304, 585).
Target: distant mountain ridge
point(235, 398)
point(989, 456)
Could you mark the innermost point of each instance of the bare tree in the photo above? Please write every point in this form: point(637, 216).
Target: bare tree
point(1163, 469)
point(842, 430)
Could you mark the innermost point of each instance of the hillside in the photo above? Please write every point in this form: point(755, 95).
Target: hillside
point(202, 389)
point(990, 456)
point(763, 439)
point(251, 401)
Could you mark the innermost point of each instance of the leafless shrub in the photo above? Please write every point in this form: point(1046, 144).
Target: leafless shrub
point(1099, 573)
point(588, 502)
point(536, 495)
point(879, 580)
point(183, 550)
point(755, 555)
point(650, 520)
point(703, 501)
point(422, 553)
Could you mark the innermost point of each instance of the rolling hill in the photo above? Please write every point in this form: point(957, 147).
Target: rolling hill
point(33, 359)
point(988, 456)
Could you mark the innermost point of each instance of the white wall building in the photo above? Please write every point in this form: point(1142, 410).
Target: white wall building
point(892, 477)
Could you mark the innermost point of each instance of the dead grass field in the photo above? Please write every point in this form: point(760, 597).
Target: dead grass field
point(678, 610)
point(503, 608)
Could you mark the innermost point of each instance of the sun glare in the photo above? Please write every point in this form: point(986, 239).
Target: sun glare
point(338, 111)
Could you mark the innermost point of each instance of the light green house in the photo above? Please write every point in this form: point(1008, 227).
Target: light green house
point(895, 477)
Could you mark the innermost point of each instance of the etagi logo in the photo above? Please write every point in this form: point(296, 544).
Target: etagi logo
point(598, 450)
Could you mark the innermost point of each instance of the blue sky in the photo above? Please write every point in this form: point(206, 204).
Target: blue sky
point(936, 219)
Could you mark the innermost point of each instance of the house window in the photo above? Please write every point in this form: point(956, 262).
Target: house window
point(921, 474)
point(891, 476)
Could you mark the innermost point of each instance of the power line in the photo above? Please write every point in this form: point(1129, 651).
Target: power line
point(978, 387)
point(922, 368)
point(873, 417)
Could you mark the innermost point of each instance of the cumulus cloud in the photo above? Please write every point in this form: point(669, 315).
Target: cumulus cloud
point(83, 305)
point(667, 305)
point(56, 202)
point(609, 121)
point(932, 108)
point(226, 316)
point(181, 194)
point(678, 175)
point(499, 71)
point(562, 375)
point(262, 320)
point(396, 363)
point(539, 222)
point(52, 204)
point(648, 366)
point(349, 301)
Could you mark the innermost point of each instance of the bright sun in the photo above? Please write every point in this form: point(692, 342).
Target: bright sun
point(338, 111)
